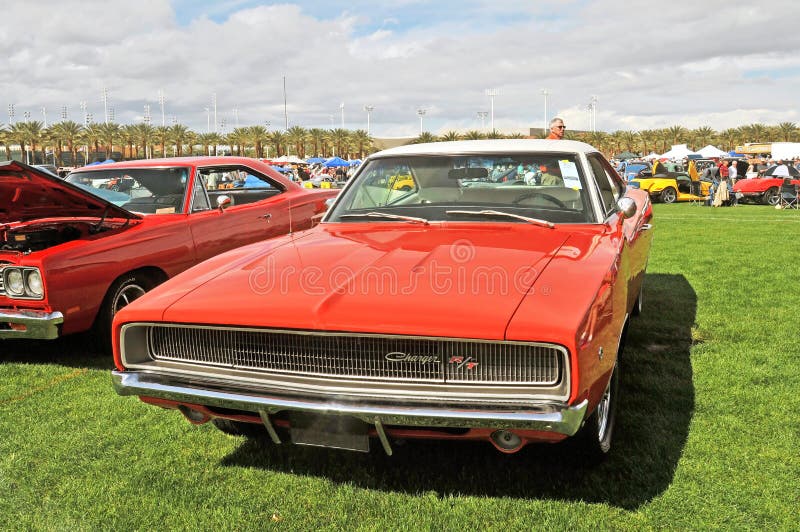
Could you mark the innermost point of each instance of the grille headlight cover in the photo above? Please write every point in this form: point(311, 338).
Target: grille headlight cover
point(23, 282)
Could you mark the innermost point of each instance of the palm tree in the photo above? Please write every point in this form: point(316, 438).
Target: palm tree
point(473, 135)
point(5, 141)
point(179, 135)
point(362, 142)
point(257, 136)
point(515, 136)
point(109, 132)
point(316, 137)
point(340, 138)
point(145, 133)
point(425, 136)
point(730, 137)
point(90, 136)
point(450, 136)
point(67, 132)
point(702, 136)
point(162, 134)
point(787, 130)
point(677, 134)
point(128, 134)
point(278, 140)
point(297, 136)
point(18, 135)
point(207, 140)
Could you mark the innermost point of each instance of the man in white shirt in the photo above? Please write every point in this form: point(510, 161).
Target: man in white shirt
point(732, 172)
point(781, 170)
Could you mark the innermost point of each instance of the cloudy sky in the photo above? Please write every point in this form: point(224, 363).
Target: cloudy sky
point(649, 64)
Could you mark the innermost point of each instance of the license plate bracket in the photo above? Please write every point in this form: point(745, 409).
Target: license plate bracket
point(336, 432)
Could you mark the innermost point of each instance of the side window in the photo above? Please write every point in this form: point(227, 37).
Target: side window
point(200, 197)
point(608, 182)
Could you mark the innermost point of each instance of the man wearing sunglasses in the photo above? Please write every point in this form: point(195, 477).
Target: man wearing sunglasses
point(557, 129)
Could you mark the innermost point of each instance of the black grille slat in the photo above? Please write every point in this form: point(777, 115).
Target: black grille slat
point(359, 356)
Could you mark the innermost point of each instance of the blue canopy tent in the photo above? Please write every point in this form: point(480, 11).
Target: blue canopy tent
point(281, 169)
point(355, 162)
point(315, 160)
point(335, 161)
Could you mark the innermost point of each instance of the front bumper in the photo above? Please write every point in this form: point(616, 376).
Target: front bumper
point(30, 324)
point(557, 417)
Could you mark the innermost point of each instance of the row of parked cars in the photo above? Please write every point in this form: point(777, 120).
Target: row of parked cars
point(674, 186)
point(447, 308)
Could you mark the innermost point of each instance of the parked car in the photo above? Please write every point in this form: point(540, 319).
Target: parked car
point(669, 187)
point(75, 251)
point(764, 189)
point(494, 312)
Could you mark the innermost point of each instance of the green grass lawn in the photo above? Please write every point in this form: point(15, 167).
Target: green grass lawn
point(707, 437)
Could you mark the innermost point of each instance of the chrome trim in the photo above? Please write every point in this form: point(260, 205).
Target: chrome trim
point(387, 448)
point(548, 416)
point(40, 325)
point(273, 435)
point(309, 359)
point(25, 272)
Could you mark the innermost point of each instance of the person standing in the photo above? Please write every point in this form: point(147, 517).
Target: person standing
point(557, 129)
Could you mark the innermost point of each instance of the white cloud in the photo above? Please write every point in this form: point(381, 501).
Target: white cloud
point(650, 65)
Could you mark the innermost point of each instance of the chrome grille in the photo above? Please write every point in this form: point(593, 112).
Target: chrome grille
point(382, 358)
point(2, 282)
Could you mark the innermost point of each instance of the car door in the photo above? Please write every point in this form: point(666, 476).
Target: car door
point(634, 246)
point(258, 209)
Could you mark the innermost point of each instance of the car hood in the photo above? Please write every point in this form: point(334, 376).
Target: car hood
point(27, 193)
point(463, 280)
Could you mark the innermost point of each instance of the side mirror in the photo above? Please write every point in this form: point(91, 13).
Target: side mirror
point(626, 207)
point(223, 202)
point(329, 203)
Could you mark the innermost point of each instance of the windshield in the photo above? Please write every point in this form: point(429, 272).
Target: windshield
point(141, 190)
point(548, 187)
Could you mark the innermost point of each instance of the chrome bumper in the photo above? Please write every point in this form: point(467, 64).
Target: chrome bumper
point(39, 325)
point(545, 416)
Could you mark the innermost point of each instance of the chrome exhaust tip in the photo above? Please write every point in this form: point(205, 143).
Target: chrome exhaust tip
point(506, 441)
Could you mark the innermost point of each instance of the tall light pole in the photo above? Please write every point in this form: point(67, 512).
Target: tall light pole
point(546, 95)
point(593, 105)
point(341, 108)
point(63, 113)
point(44, 115)
point(491, 93)
point(482, 115)
point(236, 116)
point(83, 111)
point(368, 109)
point(161, 103)
point(214, 102)
point(421, 112)
point(105, 103)
point(208, 119)
point(146, 117)
point(11, 113)
point(27, 115)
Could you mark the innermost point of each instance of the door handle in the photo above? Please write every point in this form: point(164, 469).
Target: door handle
point(266, 216)
point(646, 227)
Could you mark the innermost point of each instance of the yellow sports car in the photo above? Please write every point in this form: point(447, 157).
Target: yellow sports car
point(669, 187)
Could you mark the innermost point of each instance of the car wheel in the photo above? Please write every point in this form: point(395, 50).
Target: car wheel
point(595, 436)
point(771, 197)
point(122, 292)
point(669, 195)
point(239, 428)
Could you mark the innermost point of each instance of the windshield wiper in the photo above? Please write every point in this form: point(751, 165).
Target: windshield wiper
point(376, 214)
point(489, 212)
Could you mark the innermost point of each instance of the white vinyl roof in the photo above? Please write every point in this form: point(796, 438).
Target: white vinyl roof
point(493, 145)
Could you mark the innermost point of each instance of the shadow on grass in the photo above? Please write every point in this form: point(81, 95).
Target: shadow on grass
point(656, 407)
point(75, 350)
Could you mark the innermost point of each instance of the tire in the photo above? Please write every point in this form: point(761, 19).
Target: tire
point(127, 288)
point(771, 197)
point(595, 436)
point(669, 195)
point(239, 428)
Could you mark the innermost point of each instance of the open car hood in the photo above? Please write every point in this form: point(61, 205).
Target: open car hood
point(27, 193)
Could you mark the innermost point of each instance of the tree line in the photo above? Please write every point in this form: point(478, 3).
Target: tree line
point(135, 141)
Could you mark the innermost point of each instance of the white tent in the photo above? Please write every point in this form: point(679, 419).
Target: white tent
point(710, 152)
point(678, 151)
point(292, 159)
point(785, 150)
point(653, 155)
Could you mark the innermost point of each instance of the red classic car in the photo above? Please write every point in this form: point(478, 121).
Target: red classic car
point(765, 189)
point(458, 308)
point(74, 252)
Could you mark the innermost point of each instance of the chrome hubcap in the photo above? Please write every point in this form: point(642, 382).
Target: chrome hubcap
point(126, 295)
point(603, 410)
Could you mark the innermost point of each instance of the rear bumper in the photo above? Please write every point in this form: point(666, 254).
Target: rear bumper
point(30, 324)
point(556, 417)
